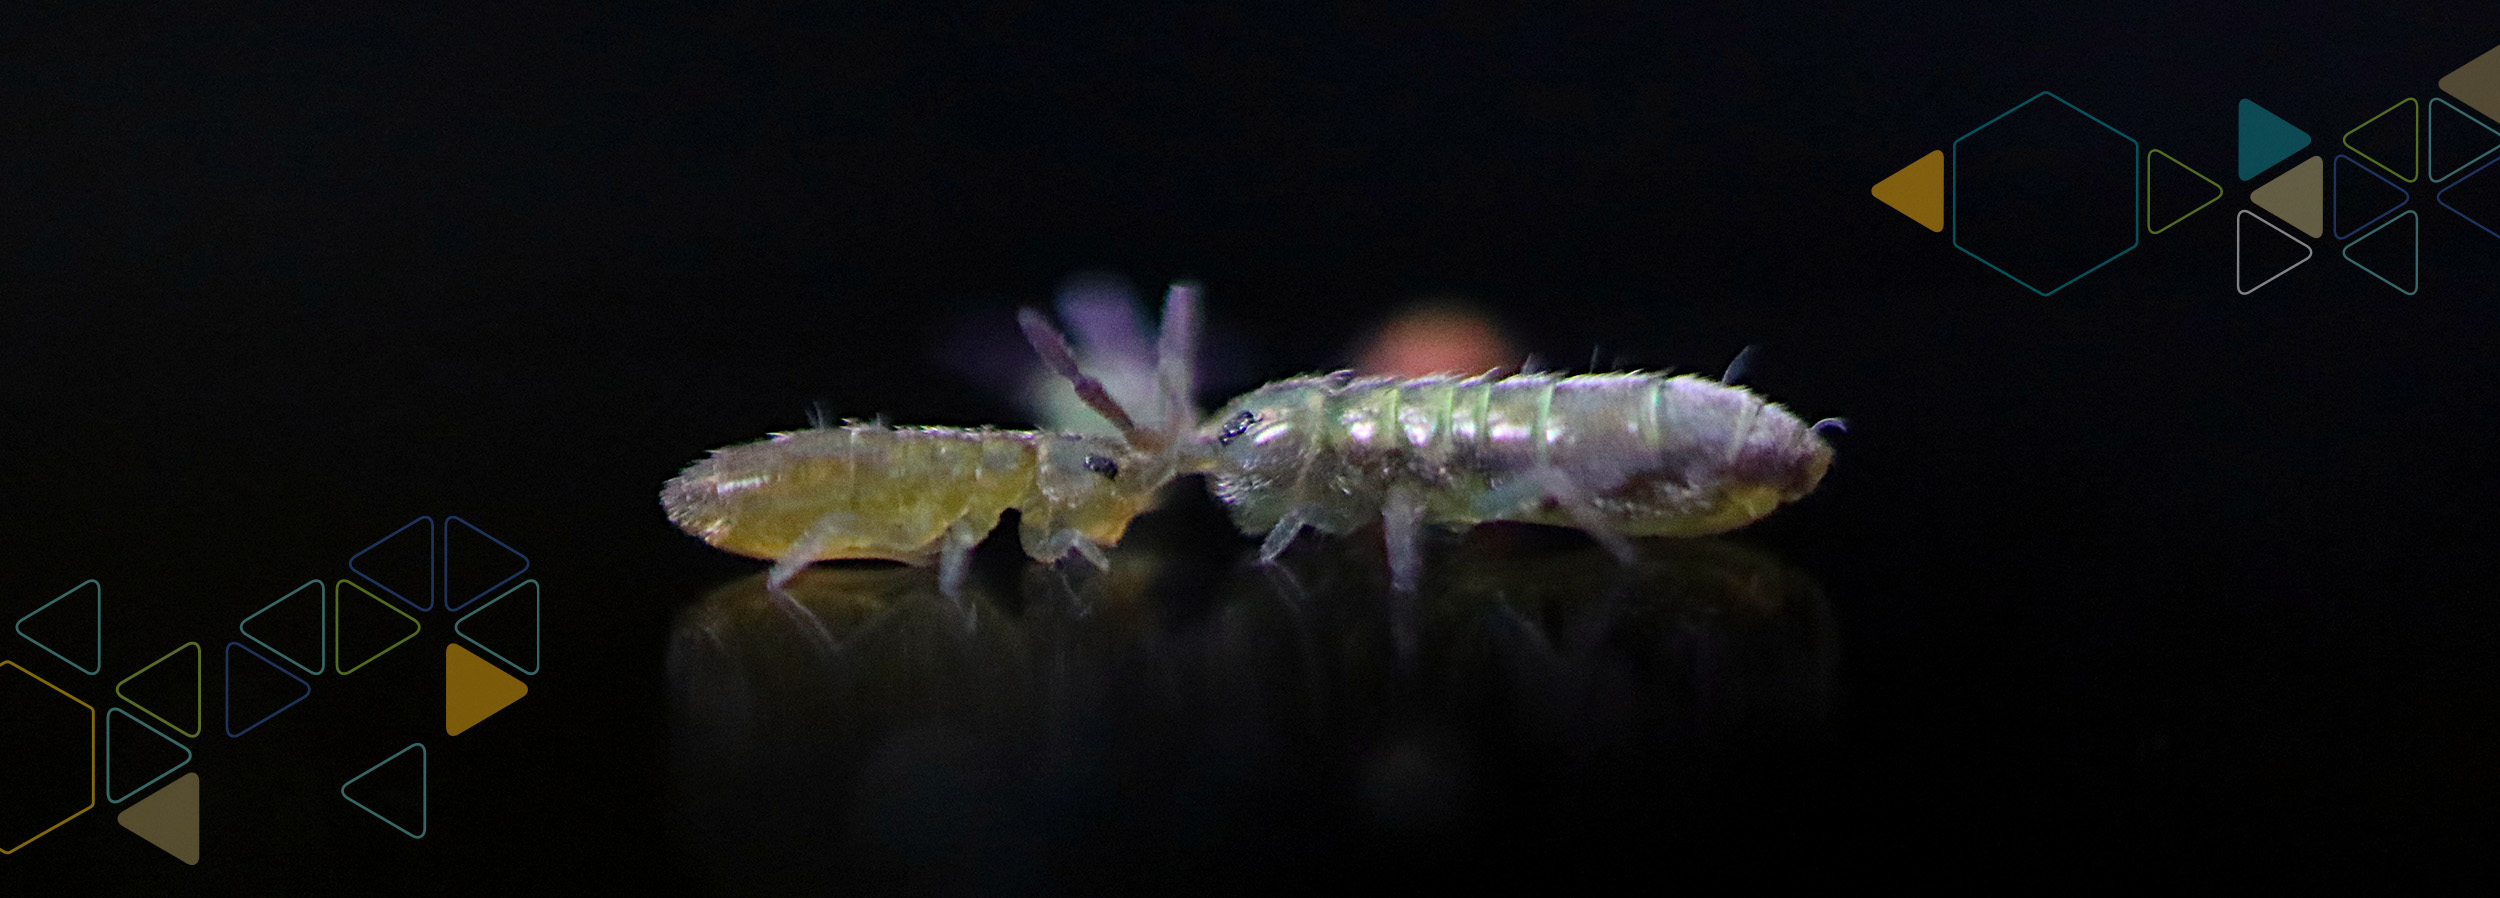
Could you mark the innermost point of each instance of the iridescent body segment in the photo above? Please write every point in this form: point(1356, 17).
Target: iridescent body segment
point(1614, 454)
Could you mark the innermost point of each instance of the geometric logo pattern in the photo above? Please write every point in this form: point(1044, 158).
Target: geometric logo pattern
point(2240, 245)
point(474, 689)
point(119, 739)
point(2399, 239)
point(319, 627)
point(527, 590)
point(314, 591)
point(93, 593)
point(194, 649)
point(398, 812)
point(2152, 173)
point(258, 668)
point(2030, 193)
point(169, 819)
point(2297, 196)
point(52, 734)
point(2265, 139)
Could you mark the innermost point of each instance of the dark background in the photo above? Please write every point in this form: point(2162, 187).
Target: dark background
point(2145, 571)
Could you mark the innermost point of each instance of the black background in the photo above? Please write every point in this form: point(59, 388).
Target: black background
point(2145, 571)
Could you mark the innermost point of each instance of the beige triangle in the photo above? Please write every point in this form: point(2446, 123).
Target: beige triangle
point(169, 819)
point(2298, 197)
point(1917, 191)
point(474, 689)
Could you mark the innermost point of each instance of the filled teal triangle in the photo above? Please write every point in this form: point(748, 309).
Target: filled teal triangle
point(2265, 139)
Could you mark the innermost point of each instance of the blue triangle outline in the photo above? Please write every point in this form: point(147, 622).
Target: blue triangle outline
point(2335, 197)
point(231, 732)
point(108, 756)
point(2260, 132)
point(2430, 137)
point(432, 568)
point(2460, 213)
point(2417, 252)
point(537, 641)
point(321, 607)
point(98, 667)
point(424, 783)
point(446, 559)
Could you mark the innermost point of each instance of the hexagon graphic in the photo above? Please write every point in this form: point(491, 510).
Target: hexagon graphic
point(2045, 193)
point(46, 736)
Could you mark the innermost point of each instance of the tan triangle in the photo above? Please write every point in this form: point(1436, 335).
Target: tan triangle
point(474, 689)
point(1917, 191)
point(169, 819)
point(2298, 197)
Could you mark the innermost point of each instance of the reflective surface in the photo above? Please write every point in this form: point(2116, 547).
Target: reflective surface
point(1174, 724)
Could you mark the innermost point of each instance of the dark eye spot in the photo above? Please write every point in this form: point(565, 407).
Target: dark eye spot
point(1102, 466)
point(1233, 429)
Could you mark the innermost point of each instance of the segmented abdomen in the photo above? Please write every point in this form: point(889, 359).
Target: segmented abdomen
point(876, 491)
point(1658, 455)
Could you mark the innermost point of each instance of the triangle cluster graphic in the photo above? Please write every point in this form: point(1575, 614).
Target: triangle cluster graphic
point(261, 690)
point(162, 697)
point(169, 819)
point(2249, 224)
point(2463, 146)
point(472, 557)
point(291, 632)
point(2392, 143)
point(65, 631)
point(2152, 174)
point(121, 741)
point(474, 689)
point(501, 622)
point(345, 790)
point(2475, 193)
point(401, 564)
point(2477, 83)
point(2265, 139)
point(1917, 191)
point(2372, 192)
point(2297, 196)
point(2400, 255)
point(339, 619)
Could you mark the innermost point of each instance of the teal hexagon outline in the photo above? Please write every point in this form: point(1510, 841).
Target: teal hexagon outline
point(2135, 236)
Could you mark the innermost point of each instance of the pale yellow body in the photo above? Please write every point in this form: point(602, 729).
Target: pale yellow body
point(872, 491)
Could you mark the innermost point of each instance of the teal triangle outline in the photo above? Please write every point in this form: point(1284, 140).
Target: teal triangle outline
point(537, 640)
point(108, 756)
point(2430, 137)
point(99, 626)
point(2416, 216)
point(424, 782)
point(2260, 134)
point(321, 608)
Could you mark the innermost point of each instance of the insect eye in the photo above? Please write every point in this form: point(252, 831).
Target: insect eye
point(1233, 429)
point(1102, 466)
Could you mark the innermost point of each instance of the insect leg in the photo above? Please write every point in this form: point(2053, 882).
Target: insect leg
point(1575, 502)
point(1282, 535)
point(1057, 546)
point(1401, 520)
point(955, 557)
point(804, 549)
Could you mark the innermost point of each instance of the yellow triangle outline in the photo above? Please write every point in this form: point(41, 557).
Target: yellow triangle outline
point(1906, 191)
point(2148, 192)
point(338, 626)
point(196, 676)
point(2416, 155)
